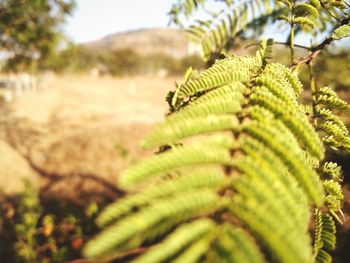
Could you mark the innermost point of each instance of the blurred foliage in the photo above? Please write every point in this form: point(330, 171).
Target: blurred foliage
point(72, 59)
point(35, 231)
point(326, 69)
point(120, 62)
point(328, 73)
point(30, 30)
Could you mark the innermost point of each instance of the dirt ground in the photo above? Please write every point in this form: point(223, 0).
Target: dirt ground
point(74, 136)
point(76, 133)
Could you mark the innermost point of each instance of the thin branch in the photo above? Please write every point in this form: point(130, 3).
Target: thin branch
point(278, 43)
point(315, 51)
point(291, 44)
point(295, 45)
point(314, 91)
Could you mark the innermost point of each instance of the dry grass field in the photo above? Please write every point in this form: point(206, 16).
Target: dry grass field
point(73, 137)
point(75, 134)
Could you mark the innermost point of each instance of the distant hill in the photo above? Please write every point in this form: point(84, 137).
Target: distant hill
point(145, 41)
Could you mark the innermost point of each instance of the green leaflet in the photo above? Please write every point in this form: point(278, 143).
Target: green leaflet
point(233, 91)
point(188, 180)
point(276, 191)
point(336, 135)
point(196, 250)
point(288, 3)
point(233, 63)
point(341, 32)
point(200, 118)
point(282, 77)
point(234, 239)
point(305, 9)
point(334, 195)
point(304, 22)
point(182, 237)
point(265, 51)
point(280, 241)
point(332, 170)
point(263, 185)
point(187, 7)
point(253, 187)
point(324, 237)
point(290, 156)
point(213, 81)
point(227, 71)
point(300, 125)
point(327, 97)
point(327, 116)
point(316, 3)
point(217, 152)
point(275, 165)
point(174, 209)
point(170, 132)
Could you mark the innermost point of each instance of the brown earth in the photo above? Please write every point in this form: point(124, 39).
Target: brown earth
point(75, 134)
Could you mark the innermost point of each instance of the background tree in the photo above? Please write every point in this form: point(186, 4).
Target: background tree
point(30, 30)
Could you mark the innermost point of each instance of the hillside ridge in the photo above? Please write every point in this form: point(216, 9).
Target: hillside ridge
point(168, 41)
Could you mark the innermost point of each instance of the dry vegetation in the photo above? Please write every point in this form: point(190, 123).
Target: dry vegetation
point(73, 136)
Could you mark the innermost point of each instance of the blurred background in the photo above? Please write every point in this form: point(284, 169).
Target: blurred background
point(81, 82)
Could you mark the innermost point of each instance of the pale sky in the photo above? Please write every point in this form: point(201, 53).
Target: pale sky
point(94, 19)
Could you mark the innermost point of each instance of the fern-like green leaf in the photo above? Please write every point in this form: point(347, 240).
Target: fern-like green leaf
point(170, 132)
point(213, 81)
point(341, 32)
point(231, 238)
point(255, 169)
point(324, 237)
point(217, 152)
point(261, 219)
point(332, 171)
point(334, 195)
point(174, 209)
point(265, 51)
point(327, 97)
point(174, 244)
point(305, 9)
point(188, 180)
point(305, 22)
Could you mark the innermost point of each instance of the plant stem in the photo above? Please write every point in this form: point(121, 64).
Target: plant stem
point(291, 44)
point(288, 44)
point(313, 89)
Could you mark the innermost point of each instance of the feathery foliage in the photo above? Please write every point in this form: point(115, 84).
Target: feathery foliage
point(325, 237)
point(233, 19)
point(242, 163)
point(31, 31)
point(336, 134)
point(235, 166)
point(341, 32)
point(215, 35)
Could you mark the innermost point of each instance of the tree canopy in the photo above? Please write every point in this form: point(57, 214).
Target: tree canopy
point(30, 30)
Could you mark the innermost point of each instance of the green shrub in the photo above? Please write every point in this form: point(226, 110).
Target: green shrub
point(33, 231)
